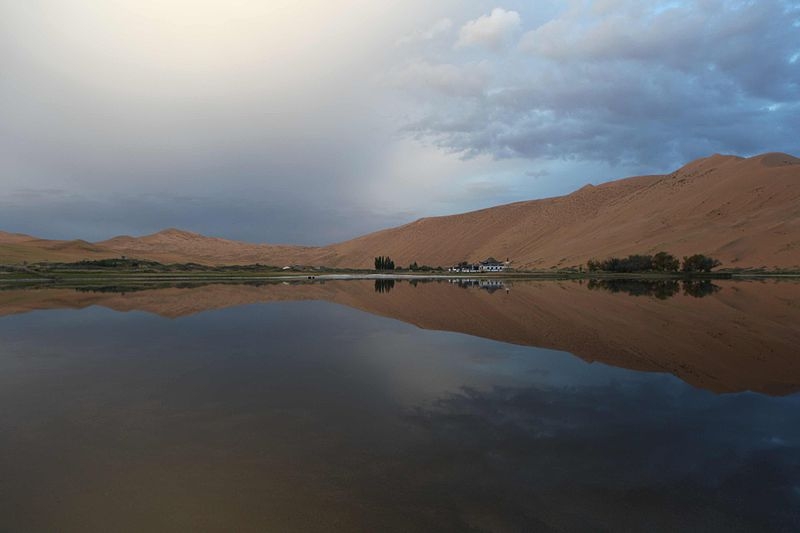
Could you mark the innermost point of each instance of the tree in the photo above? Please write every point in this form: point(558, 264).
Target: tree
point(384, 263)
point(664, 262)
point(632, 263)
point(699, 263)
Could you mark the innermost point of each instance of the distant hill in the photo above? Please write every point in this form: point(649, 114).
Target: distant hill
point(746, 212)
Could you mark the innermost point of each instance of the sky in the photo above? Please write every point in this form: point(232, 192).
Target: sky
point(314, 121)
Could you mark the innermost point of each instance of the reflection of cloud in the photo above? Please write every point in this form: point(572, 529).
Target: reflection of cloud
point(291, 406)
point(554, 455)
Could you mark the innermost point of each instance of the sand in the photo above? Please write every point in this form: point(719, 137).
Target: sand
point(745, 212)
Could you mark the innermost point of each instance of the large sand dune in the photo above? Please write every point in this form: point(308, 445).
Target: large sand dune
point(746, 212)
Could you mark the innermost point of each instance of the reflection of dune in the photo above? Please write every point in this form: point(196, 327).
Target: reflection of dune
point(744, 337)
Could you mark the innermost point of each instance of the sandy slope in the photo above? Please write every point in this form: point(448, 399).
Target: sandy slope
point(746, 212)
point(745, 337)
point(176, 246)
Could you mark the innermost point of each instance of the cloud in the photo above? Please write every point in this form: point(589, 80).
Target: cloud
point(298, 104)
point(538, 173)
point(439, 29)
point(255, 105)
point(469, 79)
point(491, 31)
point(745, 41)
point(644, 85)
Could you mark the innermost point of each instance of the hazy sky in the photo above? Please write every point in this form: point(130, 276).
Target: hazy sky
point(312, 121)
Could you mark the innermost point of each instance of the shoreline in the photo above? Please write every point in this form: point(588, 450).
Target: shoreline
point(99, 279)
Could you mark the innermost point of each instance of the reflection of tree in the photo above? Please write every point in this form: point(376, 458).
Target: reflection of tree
point(699, 288)
point(661, 289)
point(384, 285)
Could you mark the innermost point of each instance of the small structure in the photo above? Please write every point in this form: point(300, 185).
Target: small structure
point(465, 267)
point(492, 265)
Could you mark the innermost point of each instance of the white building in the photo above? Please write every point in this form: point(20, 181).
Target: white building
point(492, 265)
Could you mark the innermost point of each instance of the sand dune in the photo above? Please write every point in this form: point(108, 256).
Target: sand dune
point(745, 337)
point(178, 246)
point(746, 212)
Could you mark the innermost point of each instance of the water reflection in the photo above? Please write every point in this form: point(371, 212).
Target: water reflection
point(299, 415)
point(623, 456)
point(661, 289)
point(384, 285)
point(489, 285)
point(738, 336)
point(700, 288)
point(310, 416)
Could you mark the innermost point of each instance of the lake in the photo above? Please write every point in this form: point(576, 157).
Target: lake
point(397, 405)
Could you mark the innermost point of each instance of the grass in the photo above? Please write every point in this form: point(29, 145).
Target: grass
point(133, 272)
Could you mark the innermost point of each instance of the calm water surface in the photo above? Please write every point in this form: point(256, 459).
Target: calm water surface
point(316, 415)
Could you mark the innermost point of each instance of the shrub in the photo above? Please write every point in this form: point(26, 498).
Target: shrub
point(664, 262)
point(699, 263)
point(632, 263)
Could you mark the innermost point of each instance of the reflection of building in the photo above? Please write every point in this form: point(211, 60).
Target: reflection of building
point(489, 285)
point(490, 265)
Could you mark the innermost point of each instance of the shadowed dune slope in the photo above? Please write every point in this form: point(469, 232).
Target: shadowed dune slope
point(746, 212)
point(744, 337)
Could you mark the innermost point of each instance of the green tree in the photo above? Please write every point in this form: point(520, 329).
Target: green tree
point(664, 262)
point(699, 263)
point(384, 263)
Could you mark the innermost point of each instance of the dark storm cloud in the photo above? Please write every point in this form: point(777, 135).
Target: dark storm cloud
point(643, 84)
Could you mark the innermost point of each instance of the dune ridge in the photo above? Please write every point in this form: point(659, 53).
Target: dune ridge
point(744, 211)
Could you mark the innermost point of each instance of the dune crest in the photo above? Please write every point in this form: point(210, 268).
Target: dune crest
point(745, 212)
